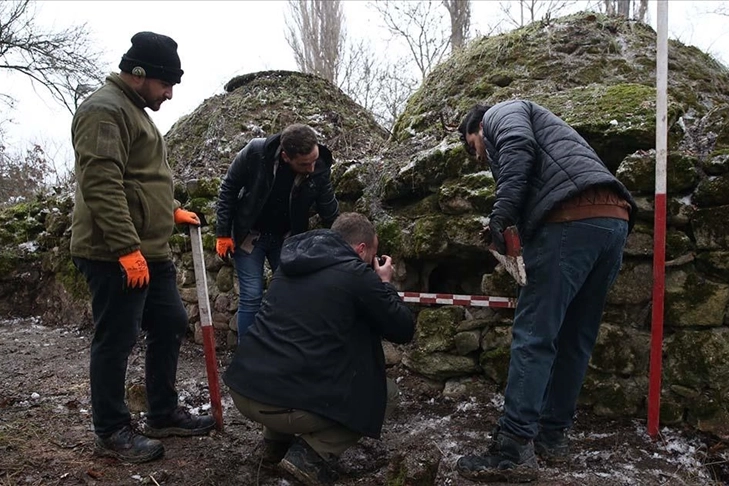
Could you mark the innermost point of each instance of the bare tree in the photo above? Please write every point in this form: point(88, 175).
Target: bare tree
point(641, 10)
point(22, 176)
point(420, 24)
point(460, 12)
point(359, 73)
point(618, 7)
point(378, 84)
point(62, 61)
point(396, 87)
point(528, 11)
point(316, 35)
point(622, 8)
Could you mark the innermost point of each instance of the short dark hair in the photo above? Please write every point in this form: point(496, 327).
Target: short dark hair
point(298, 139)
point(355, 228)
point(471, 122)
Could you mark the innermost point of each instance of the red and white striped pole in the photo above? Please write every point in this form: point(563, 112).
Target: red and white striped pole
point(659, 222)
point(457, 299)
point(206, 323)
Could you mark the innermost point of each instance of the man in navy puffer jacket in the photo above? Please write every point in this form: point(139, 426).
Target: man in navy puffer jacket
point(573, 218)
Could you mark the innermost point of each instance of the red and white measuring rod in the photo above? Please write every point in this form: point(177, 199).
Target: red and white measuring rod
point(455, 299)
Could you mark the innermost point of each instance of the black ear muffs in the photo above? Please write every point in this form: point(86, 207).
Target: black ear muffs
point(139, 71)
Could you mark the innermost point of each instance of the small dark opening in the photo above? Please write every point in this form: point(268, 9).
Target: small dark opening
point(458, 276)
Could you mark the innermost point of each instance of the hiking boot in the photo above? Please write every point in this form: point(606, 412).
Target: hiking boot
point(127, 445)
point(274, 450)
point(180, 423)
point(302, 462)
point(552, 445)
point(510, 459)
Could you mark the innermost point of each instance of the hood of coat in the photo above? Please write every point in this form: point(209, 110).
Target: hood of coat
point(314, 250)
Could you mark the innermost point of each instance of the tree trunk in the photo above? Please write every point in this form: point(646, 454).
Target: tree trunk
point(315, 34)
point(460, 12)
point(623, 8)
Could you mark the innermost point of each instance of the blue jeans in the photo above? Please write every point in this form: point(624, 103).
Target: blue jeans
point(249, 268)
point(570, 268)
point(118, 317)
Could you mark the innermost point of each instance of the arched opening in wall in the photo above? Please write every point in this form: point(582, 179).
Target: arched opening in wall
point(458, 276)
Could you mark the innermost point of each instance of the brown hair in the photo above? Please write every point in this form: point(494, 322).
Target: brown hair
point(355, 228)
point(298, 139)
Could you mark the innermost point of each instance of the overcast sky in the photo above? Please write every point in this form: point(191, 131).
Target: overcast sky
point(220, 39)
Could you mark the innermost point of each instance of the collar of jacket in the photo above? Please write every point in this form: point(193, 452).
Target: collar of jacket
point(117, 81)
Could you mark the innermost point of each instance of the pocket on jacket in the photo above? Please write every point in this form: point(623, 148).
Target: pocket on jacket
point(138, 208)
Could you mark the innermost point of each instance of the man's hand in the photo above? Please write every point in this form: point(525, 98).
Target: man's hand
point(134, 267)
point(383, 267)
point(496, 234)
point(225, 247)
point(186, 217)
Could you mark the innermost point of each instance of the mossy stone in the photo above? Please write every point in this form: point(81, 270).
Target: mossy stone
point(714, 264)
point(713, 191)
point(711, 228)
point(693, 300)
point(470, 193)
point(438, 365)
point(637, 171)
point(436, 327)
point(621, 351)
point(678, 244)
point(203, 188)
point(697, 359)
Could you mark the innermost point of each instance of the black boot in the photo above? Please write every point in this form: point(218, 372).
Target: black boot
point(180, 423)
point(303, 462)
point(552, 445)
point(128, 446)
point(274, 450)
point(510, 459)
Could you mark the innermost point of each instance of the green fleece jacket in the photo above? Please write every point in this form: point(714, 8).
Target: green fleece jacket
point(124, 193)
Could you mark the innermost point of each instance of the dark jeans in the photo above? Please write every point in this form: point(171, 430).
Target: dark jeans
point(118, 316)
point(249, 268)
point(570, 268)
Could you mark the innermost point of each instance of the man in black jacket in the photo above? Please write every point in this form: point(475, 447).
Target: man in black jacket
point(311, 368)
point(266, 195)
point(573, 217)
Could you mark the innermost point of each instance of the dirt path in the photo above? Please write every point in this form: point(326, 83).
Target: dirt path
point(46, 435)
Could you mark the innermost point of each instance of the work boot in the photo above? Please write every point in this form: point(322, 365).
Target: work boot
point(127, 445)
point(180, 423)
point(303, 462)
point(274, 450)
point(552, 445)
point(510, 459)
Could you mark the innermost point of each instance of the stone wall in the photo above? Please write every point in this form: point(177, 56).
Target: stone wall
point(453, 343)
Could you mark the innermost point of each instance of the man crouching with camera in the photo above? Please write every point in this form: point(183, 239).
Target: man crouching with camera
point(311, 368)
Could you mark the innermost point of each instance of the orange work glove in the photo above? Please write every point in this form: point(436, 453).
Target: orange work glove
point(225, 247)
point(136, 272)
point(186, 217)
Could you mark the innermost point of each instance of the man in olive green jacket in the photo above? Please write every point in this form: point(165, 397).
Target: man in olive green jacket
point(123, 218)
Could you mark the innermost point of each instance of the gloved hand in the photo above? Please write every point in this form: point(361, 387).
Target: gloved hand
point(496, 233)
point(134, 267)
point(224, 246)
point(186, 217)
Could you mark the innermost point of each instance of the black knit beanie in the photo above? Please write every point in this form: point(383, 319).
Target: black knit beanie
point(156, 55)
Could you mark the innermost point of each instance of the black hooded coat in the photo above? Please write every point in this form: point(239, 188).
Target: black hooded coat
point(316, 342)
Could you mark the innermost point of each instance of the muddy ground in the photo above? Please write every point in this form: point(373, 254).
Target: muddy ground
point(46, 436)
